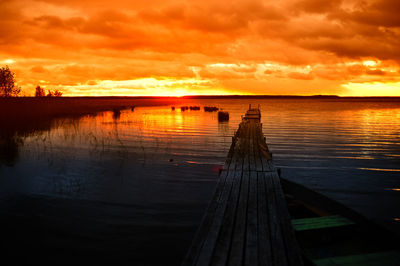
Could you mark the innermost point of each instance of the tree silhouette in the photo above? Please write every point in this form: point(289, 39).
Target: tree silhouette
point(39, 92)
point(7, 83)
point(55, 93)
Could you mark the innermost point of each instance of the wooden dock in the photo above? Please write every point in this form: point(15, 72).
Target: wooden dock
point(247, 221)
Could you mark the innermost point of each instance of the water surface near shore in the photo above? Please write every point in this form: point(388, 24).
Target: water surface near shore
point(131, 188)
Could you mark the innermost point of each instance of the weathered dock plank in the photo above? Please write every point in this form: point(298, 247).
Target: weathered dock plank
point(239, 233)
point(247, 222)
point(251, 248)
point(276, 232)
point(264, 231)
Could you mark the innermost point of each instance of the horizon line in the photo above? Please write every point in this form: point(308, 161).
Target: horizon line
point(211, 95)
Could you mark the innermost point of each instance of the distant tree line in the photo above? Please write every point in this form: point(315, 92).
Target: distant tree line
point(8, 87)
point(39, 92)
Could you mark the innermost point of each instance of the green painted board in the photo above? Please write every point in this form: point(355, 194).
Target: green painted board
point(389, 258)
point(320, 222)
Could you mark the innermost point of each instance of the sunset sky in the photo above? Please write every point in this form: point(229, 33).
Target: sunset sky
point(169, 47)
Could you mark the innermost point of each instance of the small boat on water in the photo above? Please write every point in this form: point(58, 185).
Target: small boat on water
point(331, 234)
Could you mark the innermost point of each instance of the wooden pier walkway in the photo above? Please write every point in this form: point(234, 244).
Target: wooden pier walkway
point(247, 221)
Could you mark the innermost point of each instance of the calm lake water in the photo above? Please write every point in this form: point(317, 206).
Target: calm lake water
point(131, 189)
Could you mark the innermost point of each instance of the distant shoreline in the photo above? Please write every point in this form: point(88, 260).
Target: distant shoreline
point(213, 97)
point(38, 108)
point(19, 109)
point(289, 97)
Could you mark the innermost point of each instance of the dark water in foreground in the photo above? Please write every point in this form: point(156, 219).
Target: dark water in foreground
point(131, 189)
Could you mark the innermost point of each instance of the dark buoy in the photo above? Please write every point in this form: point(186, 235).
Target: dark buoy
point(223, 116)
point(210, 109)
point(132, 108)
point(173, 108)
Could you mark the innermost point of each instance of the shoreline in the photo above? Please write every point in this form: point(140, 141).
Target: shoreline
point(39, 108)
point(49, 107)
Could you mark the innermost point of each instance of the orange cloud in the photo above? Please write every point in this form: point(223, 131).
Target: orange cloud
point(249, 47)
point(299, 75)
